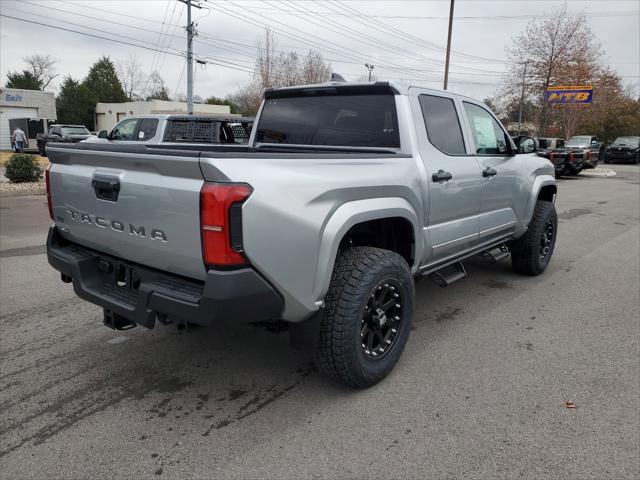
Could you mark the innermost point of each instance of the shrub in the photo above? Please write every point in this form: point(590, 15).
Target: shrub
point(22, 167)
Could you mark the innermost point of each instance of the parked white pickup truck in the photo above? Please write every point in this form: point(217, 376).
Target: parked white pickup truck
point(171, 130)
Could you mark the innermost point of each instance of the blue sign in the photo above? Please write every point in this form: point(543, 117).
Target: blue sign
point(564, 95)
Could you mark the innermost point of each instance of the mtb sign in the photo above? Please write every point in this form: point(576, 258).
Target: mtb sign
point(561, 96)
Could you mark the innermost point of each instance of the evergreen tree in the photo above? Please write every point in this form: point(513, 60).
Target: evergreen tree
point(223, 101)
point(74, 104)
point(25, 80)
point(102, 85)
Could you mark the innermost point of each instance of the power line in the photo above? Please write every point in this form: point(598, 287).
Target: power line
point(339, 49)
point(363, 38)
point(83, 33)
point(467, 17)
point(114, 13)
point(411, 38)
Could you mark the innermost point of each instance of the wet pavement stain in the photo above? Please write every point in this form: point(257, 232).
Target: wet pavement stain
point(500, 284)
point(573, 213)
point(448, 313)
point(257, 402)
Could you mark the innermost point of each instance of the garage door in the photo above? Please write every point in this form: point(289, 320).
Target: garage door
point(7, 113)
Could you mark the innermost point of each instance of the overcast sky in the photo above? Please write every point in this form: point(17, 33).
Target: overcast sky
point(403, 39)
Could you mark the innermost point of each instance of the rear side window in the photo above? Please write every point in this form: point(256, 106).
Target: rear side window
point(200, 131)
point(336, 120)
point(233, 132)
point(148, 127)
point(443, 125)
point(488, 136)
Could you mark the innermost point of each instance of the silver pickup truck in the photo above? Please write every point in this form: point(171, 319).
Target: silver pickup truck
point(344, 195)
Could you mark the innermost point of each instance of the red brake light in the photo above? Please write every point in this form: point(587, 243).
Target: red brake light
point(216, 224)
point(48, 189)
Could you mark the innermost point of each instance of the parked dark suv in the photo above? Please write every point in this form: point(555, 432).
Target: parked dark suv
point(623, 149)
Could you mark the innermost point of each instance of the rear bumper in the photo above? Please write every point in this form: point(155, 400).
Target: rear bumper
point(142, 294)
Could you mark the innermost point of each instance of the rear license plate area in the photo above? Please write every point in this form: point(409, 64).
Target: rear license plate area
point(116, 274)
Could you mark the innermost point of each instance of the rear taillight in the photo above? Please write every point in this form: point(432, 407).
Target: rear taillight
point(47, 183)
point(221, 223)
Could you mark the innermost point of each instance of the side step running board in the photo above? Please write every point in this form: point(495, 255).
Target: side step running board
point(448, 275)
point(496, 254)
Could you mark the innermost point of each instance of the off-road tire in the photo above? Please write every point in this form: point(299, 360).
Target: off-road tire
point(340, 353)
point(526, 251)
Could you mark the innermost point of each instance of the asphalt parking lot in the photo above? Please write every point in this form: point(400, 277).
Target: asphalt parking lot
point(479, 393)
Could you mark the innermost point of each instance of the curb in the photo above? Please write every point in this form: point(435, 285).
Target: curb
point(23, 192)
point(599, 172)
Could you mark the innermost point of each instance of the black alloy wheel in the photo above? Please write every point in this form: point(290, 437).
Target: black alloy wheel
point(546, 240)
point(381, 320)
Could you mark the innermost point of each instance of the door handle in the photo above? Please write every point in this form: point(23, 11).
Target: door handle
point(441, 176)
point(106, 188)
point(489, 172)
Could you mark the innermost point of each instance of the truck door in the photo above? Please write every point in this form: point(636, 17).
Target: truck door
point(453, 176)
point(504, 191)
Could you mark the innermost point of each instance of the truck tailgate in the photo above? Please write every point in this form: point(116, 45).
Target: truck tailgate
point(142, 207)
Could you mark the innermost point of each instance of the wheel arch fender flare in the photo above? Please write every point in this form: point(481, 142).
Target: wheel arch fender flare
point(539, 183)
point(352, 213)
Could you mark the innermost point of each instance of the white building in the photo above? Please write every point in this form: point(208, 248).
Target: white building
point(108, 114)
point(33, 107)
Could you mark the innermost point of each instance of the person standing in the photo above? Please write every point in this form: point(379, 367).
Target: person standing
point(19, 139)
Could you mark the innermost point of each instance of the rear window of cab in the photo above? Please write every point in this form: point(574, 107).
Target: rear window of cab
point(338, 120)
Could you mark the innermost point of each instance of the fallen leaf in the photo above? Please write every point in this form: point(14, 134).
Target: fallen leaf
point(570, 405)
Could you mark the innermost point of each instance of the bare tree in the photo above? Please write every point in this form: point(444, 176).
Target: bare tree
point(156, 87)
point(315, 69)
point(266, 58)
point(288, 70)
point(273, 69)
point(132, 77)
point(556, 49)
point(43, 68)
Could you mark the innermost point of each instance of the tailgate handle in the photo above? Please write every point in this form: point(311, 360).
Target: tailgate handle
point(106, 188)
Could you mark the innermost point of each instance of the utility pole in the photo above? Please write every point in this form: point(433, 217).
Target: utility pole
point(524, 76)
point(446, 64)
point(370, 68)
point(191, 32)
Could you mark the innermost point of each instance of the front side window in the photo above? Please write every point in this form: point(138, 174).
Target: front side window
point(443, 125)
point(336, 120)
point(125, 130)
point(488, 136)
point(148, 127)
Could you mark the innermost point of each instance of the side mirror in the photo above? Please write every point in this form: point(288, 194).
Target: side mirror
point(527, 145)
point(103, 134)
